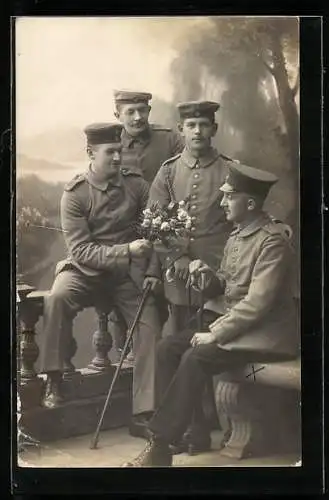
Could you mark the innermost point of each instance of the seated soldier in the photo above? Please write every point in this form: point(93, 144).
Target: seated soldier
point(99, 210)
point(254, 320)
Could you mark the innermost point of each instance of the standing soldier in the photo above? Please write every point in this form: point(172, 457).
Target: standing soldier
point(196, 174)
point(98, 213)
point(149, 145)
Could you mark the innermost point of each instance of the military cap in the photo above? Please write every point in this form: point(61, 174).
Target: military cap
point(103, 133)
point(126, 96)
point(250, 180)
point(195, 109)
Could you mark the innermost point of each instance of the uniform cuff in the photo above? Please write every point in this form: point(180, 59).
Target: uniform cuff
point(122, 255)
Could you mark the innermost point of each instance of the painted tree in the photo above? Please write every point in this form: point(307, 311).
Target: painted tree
point(254, 62)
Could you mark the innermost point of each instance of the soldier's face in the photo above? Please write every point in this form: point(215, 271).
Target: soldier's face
point(236, 206)
point(134, 117)
point(198, 132)
point(106, 159)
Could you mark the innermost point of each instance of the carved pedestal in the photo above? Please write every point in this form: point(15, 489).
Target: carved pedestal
point(29, 309)
point(258, 419)
point(102, 344)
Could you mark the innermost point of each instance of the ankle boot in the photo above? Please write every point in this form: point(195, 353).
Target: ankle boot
point(155, 454)
point(192, 443)
point(53, 397)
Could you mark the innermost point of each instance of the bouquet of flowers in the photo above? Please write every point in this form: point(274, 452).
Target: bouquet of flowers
point(166, 223)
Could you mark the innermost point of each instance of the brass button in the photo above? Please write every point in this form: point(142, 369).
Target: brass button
point(193, 217)
point(193, 207)
point(192, 228)
point(195, 186)
point(191, 239)
point(194, 196)
point(196, 176)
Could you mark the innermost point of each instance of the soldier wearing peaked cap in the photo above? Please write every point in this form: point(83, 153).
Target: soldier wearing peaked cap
point(106, 261)
point(250, 316)
point(196, 174)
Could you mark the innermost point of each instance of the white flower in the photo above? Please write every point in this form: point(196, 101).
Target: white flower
point(157, 221)
point(147, 212)
point(165, 226)
point(188, 224)
point(181, 215)
point(146, 223)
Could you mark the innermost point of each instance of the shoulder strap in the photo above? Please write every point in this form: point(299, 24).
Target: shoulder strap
point(78, 179)
point(228, 158)
point(275, 226)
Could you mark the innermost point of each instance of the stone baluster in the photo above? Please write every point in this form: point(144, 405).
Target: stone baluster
point(29, 309)
point(102, 343)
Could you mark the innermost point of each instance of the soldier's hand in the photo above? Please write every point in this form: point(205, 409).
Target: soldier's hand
point(181, 268)
point(196, 269)
point(202, 338)
point(155, 283)
point(140, 248)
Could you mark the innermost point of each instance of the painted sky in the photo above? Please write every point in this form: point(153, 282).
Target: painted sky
point(67, 68)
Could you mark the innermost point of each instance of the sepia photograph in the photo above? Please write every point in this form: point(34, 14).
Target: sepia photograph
point(158, 241)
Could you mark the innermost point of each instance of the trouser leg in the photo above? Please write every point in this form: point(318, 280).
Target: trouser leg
point(70, 293)
point(186, 388)
point(145, 337)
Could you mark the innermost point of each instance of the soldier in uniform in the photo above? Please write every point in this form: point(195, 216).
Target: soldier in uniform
point(148, 145)
point(251, 315)
point(151, 144)
point(99, 209)
point(196, 174)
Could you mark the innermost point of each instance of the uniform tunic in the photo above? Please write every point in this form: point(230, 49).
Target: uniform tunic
point(199, 180)
point(258, 311)
point(256, 322)
point(99, 220)
point(151, 149)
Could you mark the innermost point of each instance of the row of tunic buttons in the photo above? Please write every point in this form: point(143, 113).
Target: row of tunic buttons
point(194, 197)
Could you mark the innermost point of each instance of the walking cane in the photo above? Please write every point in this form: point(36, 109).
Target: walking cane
point(201, 301)
point(94, 441)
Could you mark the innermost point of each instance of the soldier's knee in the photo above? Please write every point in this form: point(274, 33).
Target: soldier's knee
point(58, 296)
point(191, 355)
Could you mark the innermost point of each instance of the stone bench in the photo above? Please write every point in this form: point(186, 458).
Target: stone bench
point(259, 408)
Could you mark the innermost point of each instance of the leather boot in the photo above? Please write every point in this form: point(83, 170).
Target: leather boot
point(53, 397)
point(192, 442)
point(138, 426)
point(155, 454)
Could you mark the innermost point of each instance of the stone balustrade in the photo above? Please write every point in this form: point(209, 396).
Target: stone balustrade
point(84, 390)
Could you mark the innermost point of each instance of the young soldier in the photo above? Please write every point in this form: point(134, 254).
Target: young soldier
point(148, 145)
point(196, 173)
point(98, 213)
point(151, 144)
point(253, 321)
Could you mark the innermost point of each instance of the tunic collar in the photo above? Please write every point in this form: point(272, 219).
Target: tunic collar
point(100, 183)
point(128, 140)
point(204, 161)
point(253, 227)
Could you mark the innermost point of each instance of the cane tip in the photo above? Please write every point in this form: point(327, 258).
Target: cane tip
point(93, 446)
